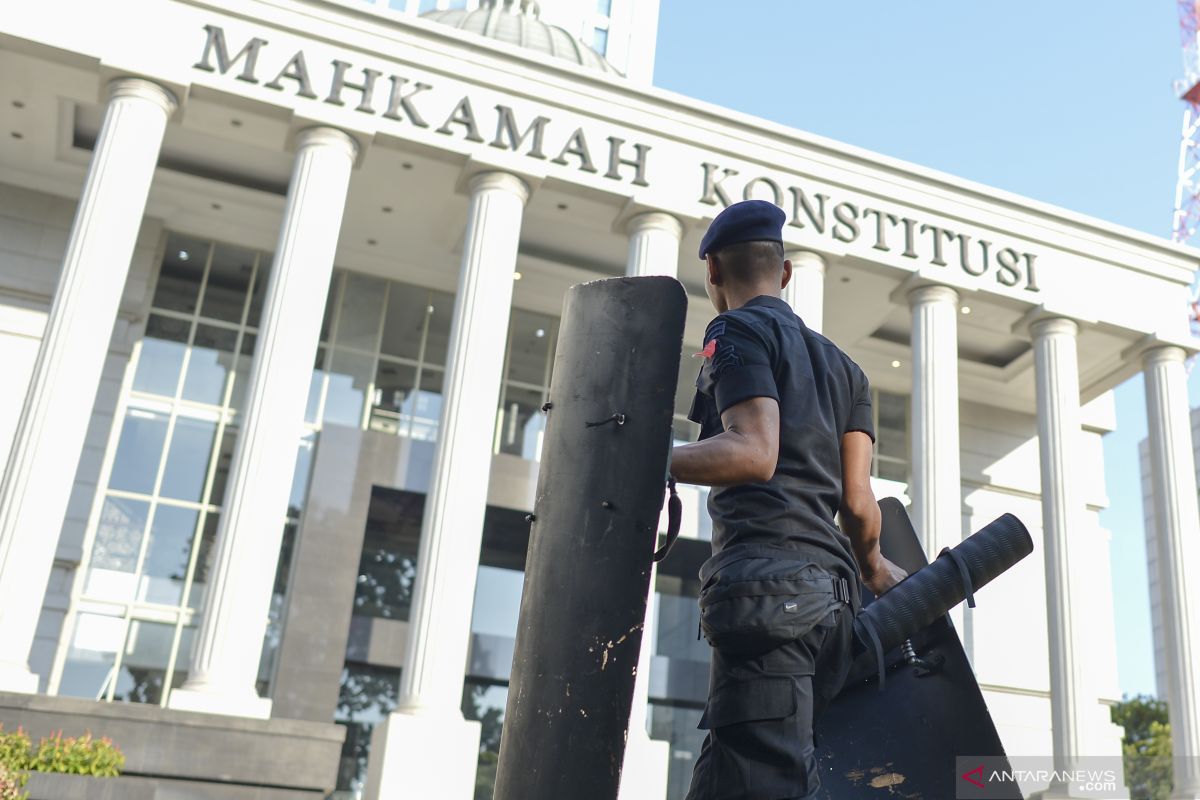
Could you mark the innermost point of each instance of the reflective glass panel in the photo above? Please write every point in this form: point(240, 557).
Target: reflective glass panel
point(183, 660)
point(300, 476)
point(361, 312)
point(522, 423)
point(391, 410)
point(437, 338)
point(228, 283)
point(144, 663)
point(530, 336)
point(485, 703)
point(208, 369)
point(600, 41)
point(138, 452)
point(258, 294)
point(389, 556)
point(187, 458)
point(203, 560)
point(165, 566)
point(350, 375)
point(241, 372)
point(116, 548)
point(368, 694)
point(162, 354)
point(425, 406)
point(95, 642)
point(315, 386)
point(404, 325)
point(182, 270)
point(677, 725)
point(604, 7)
point(224, 462)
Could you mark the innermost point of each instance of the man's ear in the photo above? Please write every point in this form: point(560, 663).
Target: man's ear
point(714, 272)
point(787, 273)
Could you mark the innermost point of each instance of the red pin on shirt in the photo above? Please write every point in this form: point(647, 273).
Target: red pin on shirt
point(709, 350)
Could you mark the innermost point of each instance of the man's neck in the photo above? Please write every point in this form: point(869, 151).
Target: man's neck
point(738, 296)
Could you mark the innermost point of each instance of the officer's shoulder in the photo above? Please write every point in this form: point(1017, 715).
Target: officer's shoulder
point(835, 352)
point(740, 320)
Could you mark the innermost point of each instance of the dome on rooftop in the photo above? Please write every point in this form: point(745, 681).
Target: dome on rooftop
point(516, 22)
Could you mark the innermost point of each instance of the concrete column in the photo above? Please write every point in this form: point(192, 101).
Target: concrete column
point(936, 481)
point(429, 717)
point(228, 646)
point(653, 244)
point(653, 250)
point(49, 438)
point(1060, 441)
point(1172, 465)
point(806, 291)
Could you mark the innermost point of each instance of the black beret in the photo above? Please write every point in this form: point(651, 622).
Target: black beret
point(747, 221)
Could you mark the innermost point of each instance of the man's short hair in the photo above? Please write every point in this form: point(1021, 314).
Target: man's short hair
point(750, 262)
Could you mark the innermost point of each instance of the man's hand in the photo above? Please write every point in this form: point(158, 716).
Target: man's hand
point(883, 576)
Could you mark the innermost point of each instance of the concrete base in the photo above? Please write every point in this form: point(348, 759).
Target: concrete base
point(644, 775)
point(251, 706)
point(182, 755)
point(421, 757)
point(17, 678)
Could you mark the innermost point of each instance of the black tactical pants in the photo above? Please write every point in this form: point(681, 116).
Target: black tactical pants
point(761, 711)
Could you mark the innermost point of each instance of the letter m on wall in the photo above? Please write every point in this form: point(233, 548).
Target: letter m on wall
point(215, 45)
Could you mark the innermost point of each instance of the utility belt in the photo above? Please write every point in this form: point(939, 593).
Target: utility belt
point(754, 598)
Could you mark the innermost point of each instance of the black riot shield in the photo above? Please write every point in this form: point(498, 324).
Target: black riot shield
point(902, 741)
point(595, 522)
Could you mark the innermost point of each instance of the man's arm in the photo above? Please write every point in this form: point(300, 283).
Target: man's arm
point(746, 452)
point(859, 515)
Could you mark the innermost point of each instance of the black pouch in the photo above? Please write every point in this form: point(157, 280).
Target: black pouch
point(755, 604)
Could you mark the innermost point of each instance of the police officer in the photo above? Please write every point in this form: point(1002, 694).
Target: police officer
point(786, 440)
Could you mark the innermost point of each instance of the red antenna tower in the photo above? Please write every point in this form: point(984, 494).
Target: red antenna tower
point(1187, 186)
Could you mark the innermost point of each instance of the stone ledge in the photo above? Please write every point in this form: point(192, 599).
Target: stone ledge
point(190, 754)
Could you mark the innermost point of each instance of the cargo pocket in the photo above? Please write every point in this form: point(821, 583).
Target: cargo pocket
point(749, 701)
point(757, 604)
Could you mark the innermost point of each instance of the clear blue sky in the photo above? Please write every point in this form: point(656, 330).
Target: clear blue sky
point(1067, 102)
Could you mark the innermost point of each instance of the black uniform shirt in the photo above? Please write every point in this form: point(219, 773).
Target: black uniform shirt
point(764, 350)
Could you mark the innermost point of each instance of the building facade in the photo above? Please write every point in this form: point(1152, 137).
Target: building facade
point(280, 282)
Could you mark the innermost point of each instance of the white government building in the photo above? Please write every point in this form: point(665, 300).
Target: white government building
point(279, 289)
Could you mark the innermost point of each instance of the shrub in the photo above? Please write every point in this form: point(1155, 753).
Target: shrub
point(72, 755)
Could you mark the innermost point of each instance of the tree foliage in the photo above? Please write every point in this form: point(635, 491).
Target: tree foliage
point(1146, 746)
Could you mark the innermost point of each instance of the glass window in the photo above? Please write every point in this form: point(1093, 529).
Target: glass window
point(224, 462)
point(391, 408)
point(891, 435)
point(315, 387)
point(210, 364)
point(300, 475)
point(187, 458)
point(144, 662)
point(389, 556)
point(604, 8)
point(368, 694)
point(600, 41)
point(181, 274)
point(361, 312)
point(350, 377)
point(241, 372)
point(115, 551)
point(262, 282)
point(139, 449)
point(437, 338)
point(162, 354)
point(425, 407)
point(92, 655)
point(676, 725)
point(228, 283)
point(522, 423)
point(485, 703)
point(529, 346)
point(426, 5)
point(165, 567)
point(204, 558)
point(404, 326)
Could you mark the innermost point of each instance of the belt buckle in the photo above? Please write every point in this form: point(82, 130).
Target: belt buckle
point(841, 590)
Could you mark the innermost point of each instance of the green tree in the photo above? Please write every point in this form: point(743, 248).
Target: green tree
point(1146, 746)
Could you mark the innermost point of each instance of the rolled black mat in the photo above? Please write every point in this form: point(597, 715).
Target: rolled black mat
point(930, 592)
